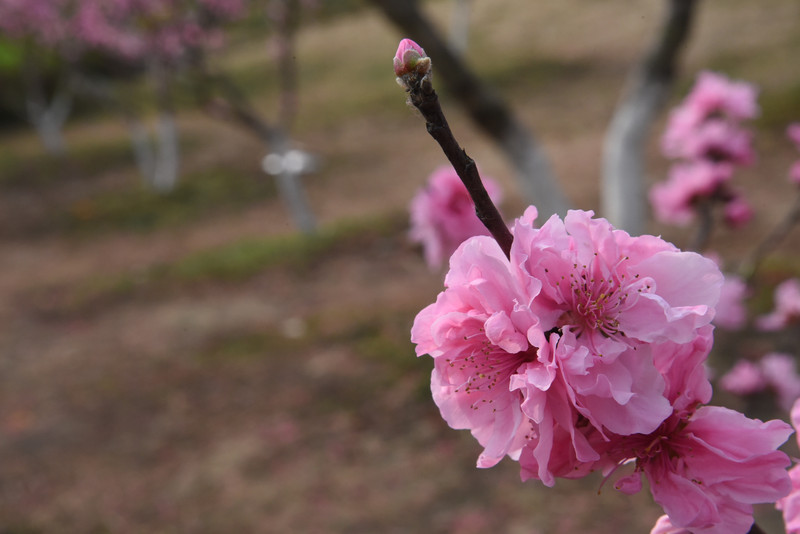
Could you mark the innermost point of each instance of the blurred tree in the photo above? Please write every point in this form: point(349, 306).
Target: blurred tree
point(158, 35)
point(647, 88)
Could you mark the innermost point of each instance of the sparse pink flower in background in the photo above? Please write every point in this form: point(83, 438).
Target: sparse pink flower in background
point(790, 505)
point(716, 140)
point(714, 93)
point(731, 311)
point(443, 215)
point(744, 378)
point(707, 470)
point(775, 370)
point(787, 307)
point(793, 133)
point(737, 211)
point(780, 372)
point(674, 200)
point(794, 173)
point(704, 133)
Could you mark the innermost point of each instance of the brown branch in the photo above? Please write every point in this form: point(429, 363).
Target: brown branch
point(773, 239)
point(484, 106)
point(424, 98)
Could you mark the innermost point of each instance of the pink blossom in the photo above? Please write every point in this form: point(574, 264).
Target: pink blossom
point(794, 173)
point(476, 333)
point(787, 307)
point(443, 215)
point(708, 469)
point(731, 311)
point(737, 211)
point(716, 140)
point(793, 133)
point(586, 333)
point(780, 372)
point(674, 200)
point(790, 505)
point(665, 526)
point(407, 58)
point(744, 378)
point(713, 95)
point(611, 289)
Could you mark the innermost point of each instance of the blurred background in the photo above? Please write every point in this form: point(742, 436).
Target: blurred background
point(206, 286)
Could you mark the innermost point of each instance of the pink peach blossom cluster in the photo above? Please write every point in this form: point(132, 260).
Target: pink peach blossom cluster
point(706, 136)
point(776, 371)
point(731, 311)
point(133, 29)
point(584, 351)
point(443, 215)
point(787, 307)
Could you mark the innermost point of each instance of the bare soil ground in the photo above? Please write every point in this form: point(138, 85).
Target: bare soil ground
point(190, 364)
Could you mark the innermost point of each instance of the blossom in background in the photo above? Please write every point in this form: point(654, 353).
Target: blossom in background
point(787, 307)
point(731, 311)
point(793, 133)
point(780, 372)
point(790, 505)
point(737, 211)
point(443, 215)
point(744, 378)
point(705, 135)
point(674, 201)
point(775, 370)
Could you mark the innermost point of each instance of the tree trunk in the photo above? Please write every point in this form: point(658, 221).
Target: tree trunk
point(623, 192)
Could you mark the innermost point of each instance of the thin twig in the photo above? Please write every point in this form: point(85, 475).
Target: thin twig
point(750, 265)
point(705, 227)
point(424, 98)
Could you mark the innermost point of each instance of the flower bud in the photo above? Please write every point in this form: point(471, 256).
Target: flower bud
point(410, 58)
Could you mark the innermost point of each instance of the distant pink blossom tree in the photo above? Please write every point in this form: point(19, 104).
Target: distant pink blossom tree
point(443, 215)
point(158, 34)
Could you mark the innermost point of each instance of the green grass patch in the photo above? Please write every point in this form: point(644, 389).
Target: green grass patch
point(779, 106)
point(245, 258)
point(143, 209)
point(82, 161)
point(230, 263)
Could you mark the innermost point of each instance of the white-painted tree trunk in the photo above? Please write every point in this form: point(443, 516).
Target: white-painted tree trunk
point(459, 26)
point(48, 118)
point(165, 171)
point(623, 196)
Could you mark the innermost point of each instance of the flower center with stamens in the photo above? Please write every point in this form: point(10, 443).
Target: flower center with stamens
point(596, 302)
